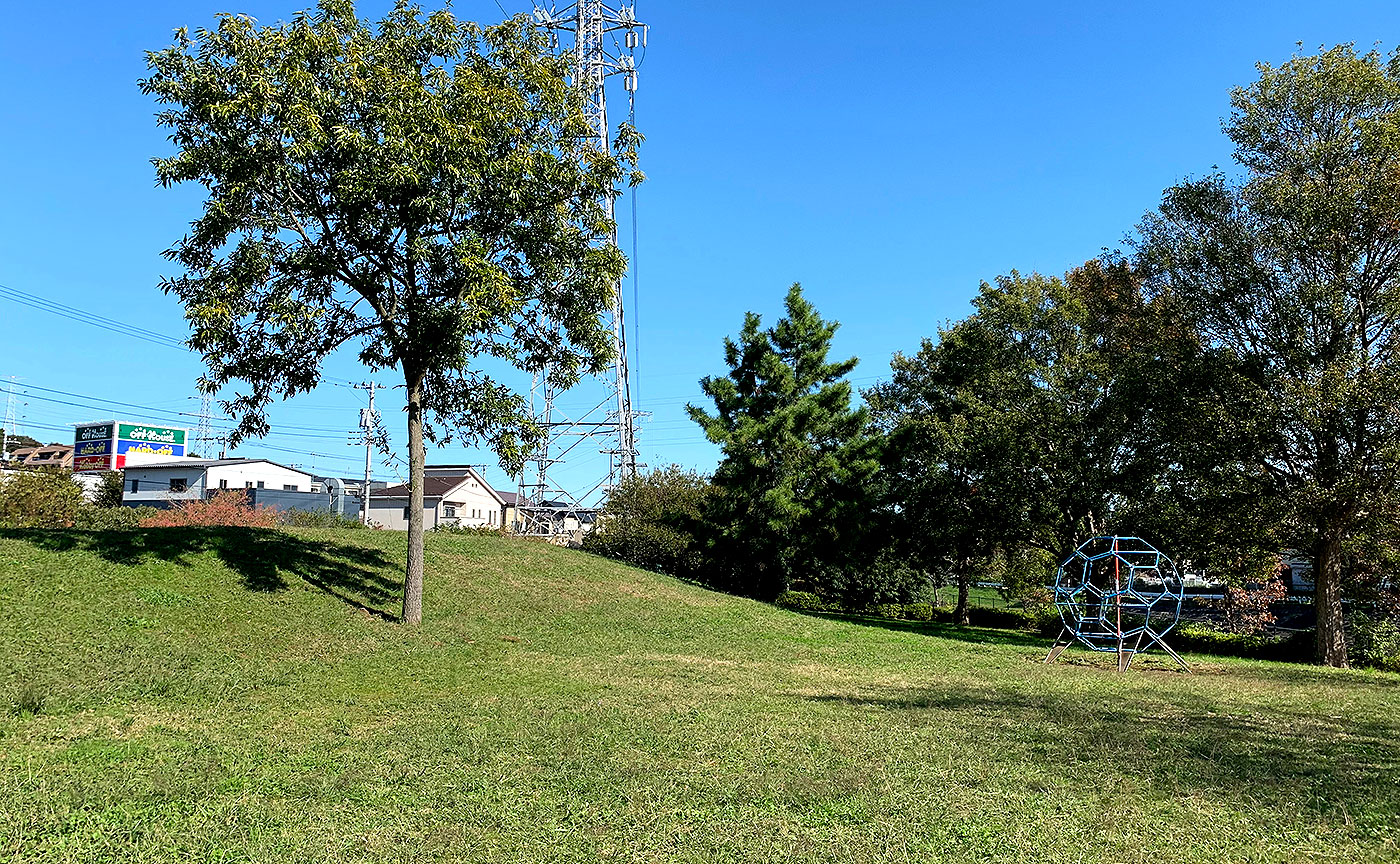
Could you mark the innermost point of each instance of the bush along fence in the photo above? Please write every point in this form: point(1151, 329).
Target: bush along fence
point(1376, 643)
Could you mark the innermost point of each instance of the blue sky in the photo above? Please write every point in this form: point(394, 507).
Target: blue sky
point(889, 156)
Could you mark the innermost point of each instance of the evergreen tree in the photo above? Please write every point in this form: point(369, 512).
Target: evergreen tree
point(792, 489)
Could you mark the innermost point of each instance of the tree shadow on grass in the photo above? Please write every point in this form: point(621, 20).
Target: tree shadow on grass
point(1260, 755)
point(956, 632)
point(262, 557)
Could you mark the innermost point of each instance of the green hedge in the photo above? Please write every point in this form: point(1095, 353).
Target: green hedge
point(1292, 647)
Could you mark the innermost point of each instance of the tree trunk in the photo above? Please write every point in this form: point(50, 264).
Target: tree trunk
point(960, 615)
point(1327, 596)
point(413, 571)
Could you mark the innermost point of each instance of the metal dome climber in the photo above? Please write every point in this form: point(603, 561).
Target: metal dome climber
point(1117, 595)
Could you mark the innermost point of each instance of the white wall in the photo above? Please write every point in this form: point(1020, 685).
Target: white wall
point(471, 502)
point(249, 476)
point(153, 484)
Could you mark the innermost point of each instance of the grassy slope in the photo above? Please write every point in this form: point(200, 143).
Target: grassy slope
point(235, 697)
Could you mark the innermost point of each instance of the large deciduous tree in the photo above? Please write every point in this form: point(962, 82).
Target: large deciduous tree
point(797, 461)
point(416, 189)
point(1289, 278)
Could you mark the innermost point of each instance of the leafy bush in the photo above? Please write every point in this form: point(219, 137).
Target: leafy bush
point(802, 601)
point(110, 492)
point(655, 521)
point(1248, 609)
point(918, 611)
point(889, 579)
point(1292, 647)
point(93, 518)
point(1004, 619)
point(317, 519)
point(1374, 641)
point(227, 508)
point(43, 498)
point(471, 530)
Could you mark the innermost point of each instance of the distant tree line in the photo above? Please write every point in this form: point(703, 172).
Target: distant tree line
point(1228, 388)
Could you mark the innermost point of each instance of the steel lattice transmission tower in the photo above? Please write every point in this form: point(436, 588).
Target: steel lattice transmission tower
point(603, 41)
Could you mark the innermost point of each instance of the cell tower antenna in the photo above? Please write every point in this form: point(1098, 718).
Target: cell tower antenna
point(203, 433)
point(603, 42)
point(8, 429)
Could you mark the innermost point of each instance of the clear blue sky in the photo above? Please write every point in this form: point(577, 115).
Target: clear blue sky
point(888, 156)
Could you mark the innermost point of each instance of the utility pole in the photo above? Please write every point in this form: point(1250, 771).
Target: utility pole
point(368, 420)
point(544, 505)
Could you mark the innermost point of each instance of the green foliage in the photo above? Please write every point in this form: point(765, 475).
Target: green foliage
point(655, 521)
point(93, 518)
point(110, 492)
point(43, 498)
point(317, 519)
point(469, 530)
point(1374, 641)
point(1292, 647)
point(792, 487)
point(15, 442)
point(802, 601)
point(889, 579)
point(1289, 281)
point(413, 190)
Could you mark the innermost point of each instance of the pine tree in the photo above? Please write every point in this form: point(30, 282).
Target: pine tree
point(797, 461)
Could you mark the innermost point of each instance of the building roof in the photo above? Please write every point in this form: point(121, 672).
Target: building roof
point(201, 464)
point(439, 485)
point(433, 487)
point(510, 498)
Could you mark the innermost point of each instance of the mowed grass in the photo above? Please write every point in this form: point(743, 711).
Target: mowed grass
point(238, 695)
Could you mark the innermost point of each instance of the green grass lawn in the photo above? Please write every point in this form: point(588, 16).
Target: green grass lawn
point(239, 695)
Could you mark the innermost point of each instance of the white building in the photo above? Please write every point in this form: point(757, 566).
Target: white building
point(191, 478)
point(452, 495)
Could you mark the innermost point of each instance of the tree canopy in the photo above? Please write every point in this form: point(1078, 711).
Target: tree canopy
point(414, 189)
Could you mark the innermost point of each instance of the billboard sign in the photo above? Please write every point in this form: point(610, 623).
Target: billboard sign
point(124, 446)
point(92, 448)
point(143, 433)
point(104, 446)
point(105, 462)
point(100, 432)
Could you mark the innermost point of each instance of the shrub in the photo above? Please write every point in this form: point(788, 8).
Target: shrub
point(889, 579)
point(1004, 619)
point(655, 521)
point(801, 601)
point(1374, 641)
point(43, 498)
point(1248, 609)
point(112, 518)
point(109, 493)
point(918, 611)
point(317, 519)
point(227, 508)
point(1293, 647)
point(471, 530)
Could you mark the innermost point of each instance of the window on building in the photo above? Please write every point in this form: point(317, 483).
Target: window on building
point(289, 487)
point(179, 484)
point(261, 484)
point(135, 485)
point(223, 484)
point(493, 517)
point(247, 484)
point(405, 512)
point(449, 511)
